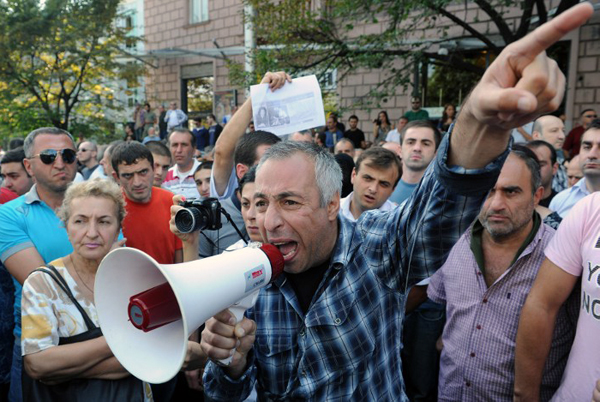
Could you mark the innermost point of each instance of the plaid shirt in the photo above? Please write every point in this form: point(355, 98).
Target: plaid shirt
point(560, 180)
point(347, 345)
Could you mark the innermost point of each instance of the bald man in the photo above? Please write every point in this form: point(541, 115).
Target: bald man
point(574, 172)
point(87, 155)
point(551, 129)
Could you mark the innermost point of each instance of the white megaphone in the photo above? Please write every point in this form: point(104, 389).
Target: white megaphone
point(147, 311)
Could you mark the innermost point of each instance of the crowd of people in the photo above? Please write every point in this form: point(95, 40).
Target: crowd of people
point(423, 261)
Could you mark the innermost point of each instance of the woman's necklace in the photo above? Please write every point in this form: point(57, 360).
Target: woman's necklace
point(79, 276)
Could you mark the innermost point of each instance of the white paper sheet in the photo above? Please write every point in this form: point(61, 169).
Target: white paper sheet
point(294, 107)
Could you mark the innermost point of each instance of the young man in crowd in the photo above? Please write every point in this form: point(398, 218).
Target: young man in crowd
point(202, 179)
point(376, 174)
point(355, 134)
point(214, 129)
point(329, 327)
point(589, 160)
point(546, 155)
point(180, 178)
point(146, 225)
point(12, 170)
point(572, 143)
point(162, 161)
point(332, 133)
point(483, 283)
point(419, 142)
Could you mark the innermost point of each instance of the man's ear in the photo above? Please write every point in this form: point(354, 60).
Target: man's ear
point(353, 175)
point(240, 170)
point(333, 207)
point(116, 176)
point(27, 166)
point(537, 196)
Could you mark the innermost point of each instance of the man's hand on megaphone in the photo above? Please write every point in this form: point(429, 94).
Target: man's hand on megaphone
point(189, 238)
point(222, 338)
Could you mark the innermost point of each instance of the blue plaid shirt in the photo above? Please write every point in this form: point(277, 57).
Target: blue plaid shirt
point(347, 345)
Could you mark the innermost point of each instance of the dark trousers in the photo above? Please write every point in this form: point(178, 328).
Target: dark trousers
point(420, 358)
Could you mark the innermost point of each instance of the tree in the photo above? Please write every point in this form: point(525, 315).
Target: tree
point(57, 60)
point(321, 35)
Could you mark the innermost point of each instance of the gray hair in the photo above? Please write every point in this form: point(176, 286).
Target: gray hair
point(98, 188)
point(29, 140)
point(328, 173)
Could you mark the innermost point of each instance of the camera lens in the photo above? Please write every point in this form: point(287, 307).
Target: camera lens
point(188, 220)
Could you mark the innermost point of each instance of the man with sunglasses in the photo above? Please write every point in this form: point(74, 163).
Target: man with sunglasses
point(87, 156)
point(572, 143)
point(30, 232)
point(416, 113)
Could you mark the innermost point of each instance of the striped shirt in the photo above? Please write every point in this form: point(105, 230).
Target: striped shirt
point(477, 362)
point(182, 183)
point(347, 344)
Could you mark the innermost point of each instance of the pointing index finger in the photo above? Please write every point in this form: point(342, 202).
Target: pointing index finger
point(552, 31)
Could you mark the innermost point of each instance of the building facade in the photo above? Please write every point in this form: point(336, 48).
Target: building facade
point(188, 43)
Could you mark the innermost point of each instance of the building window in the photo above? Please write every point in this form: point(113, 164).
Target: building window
point(198, 11)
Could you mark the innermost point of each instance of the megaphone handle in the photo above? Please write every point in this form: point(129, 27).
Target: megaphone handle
point(238, 309)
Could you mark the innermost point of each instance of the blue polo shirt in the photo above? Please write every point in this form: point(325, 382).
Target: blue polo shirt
point(29, 222)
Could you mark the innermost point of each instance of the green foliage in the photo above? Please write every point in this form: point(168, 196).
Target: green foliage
point(56, 59)
point(391, 35)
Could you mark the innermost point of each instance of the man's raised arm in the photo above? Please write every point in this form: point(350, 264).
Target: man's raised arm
point(234, 130)
point(521, 84)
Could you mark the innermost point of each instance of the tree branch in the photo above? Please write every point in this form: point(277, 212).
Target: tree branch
point(565, 5)
point(498, 20)
point(467, 27)
point(525, 19)
point(542, 12)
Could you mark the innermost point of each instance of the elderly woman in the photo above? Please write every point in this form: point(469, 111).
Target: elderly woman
point(65, 355)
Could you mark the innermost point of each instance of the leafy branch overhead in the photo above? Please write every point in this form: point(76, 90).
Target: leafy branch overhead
point(391, 35)
point(57, 55)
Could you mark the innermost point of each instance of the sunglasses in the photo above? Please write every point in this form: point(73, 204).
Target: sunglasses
point(591, 116)
point(48, 156)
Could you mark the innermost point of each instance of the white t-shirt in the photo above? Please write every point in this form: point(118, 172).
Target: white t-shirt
point(345, 207)
point(576, 249)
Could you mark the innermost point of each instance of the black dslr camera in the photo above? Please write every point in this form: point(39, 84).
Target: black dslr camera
point(199, 215)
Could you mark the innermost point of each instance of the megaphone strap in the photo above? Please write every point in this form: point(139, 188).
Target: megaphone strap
point(60, 281)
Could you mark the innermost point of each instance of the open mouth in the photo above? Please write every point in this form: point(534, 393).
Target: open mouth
point(288, 249)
